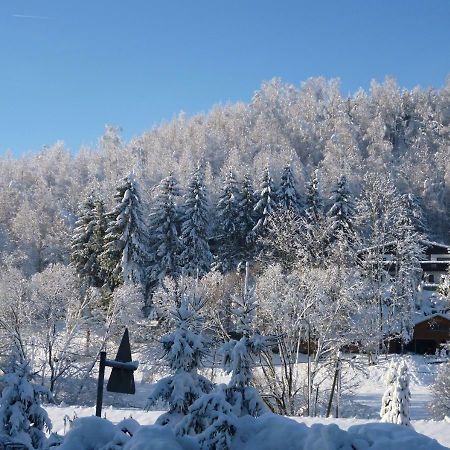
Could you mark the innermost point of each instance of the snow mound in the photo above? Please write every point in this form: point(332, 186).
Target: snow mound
point(89, 433)
point(272, 432)
point(268, 432)
point(155, 437)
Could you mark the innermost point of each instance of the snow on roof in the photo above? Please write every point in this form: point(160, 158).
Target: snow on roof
point(421, 318)
point(435, 244)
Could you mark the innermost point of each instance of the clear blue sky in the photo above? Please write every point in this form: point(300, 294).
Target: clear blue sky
point(69, 67)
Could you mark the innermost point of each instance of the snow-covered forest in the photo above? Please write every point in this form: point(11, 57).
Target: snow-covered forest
point(248, 238)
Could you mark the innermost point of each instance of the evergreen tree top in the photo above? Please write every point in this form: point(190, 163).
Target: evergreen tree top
point(314, 203)
point(288, 196)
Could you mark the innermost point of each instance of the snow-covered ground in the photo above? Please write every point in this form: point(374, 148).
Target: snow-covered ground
point(436, 430)
point(366, 401)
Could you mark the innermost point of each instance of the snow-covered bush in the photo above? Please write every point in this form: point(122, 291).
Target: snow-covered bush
point(21, 416)
point(440, 393)
point(184, 349)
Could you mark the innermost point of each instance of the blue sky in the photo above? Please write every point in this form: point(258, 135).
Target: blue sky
point(69, 67)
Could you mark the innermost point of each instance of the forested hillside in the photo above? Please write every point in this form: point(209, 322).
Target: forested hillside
point(403, 134)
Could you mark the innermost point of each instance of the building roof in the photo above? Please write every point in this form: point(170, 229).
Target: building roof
point(421, 319)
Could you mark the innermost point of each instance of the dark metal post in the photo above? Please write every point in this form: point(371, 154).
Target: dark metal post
point(101, 378)
point(333, 386)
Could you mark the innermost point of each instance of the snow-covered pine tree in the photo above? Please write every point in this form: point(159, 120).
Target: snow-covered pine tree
point(246, 220)
point(403, 395)
point(238, 355)
point(314, 202)
point(228, 230)
point(341, 214)
point(97, 242)
point(21, 416)
point(82, 233)
point(288, 197)
point(396, 399)
point(211, 420)
point(87, 241)
point(387, 404)
point(126, 254)
point(314, 229)
point(196, 256)
point(184, 349)
point(265, 205)
point(164, 232)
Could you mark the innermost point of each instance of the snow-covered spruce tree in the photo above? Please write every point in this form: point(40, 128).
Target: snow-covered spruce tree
point(314, 230)
point(396, 400)
point(341, 214)
point(246, 221)
point(387, 405)
point(403, 395)
point(21, 416)
point(97, 241)
point(288, 197)
point(211, 420)
point(164, 232)
point(184, 349)
point(196, 256)
point(228, 230)
point(87, 241)
point(82, 234)
point(126, 252)
point(239, 355)
point(265, 205)
point(314, 202)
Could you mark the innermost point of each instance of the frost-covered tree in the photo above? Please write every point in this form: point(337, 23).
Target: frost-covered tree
point(407, 254)
point(440, 393)
point(288, 197)
point(87, 241)
point(184, 349)
point(22, 417)
point(284, 241)
point(126, 254)
point(58, 315)
point(396, 399)
point(228, 230)
point(414, 207)
point(377, 212)
point(265, 205)
point(196, 256)
point(164, 232)
point(239, 355)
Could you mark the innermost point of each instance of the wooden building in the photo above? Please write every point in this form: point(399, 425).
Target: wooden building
point(430, 332)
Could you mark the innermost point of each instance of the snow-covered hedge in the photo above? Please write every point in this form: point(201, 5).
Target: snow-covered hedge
point(268, 432)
